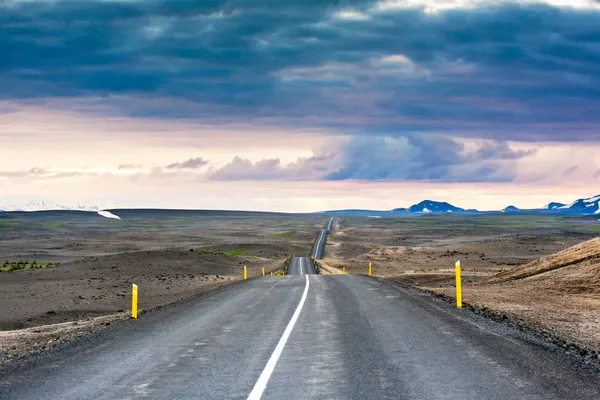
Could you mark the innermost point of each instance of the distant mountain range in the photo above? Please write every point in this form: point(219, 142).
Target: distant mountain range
point(424, 207)
point(553, 206)
point(429, 206)
point(589, 205)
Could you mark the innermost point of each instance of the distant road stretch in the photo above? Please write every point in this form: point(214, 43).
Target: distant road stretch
point(318, 250)
point(304, 336)
point(300, 266)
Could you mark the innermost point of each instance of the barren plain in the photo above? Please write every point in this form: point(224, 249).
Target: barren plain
point(173, 255)
point(170, 255)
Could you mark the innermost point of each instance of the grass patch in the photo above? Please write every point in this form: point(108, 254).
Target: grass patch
point(235, 252)
point(55, 225)
point(10, 266)
point(282, 234)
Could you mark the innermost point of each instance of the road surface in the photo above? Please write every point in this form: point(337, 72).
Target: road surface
point(304, 336)
point(300, 266)
point(318, 249)
point(354, 337)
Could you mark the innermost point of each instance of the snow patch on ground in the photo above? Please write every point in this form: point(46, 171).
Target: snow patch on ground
point(108, 214)
point(426, 210)
point(592, 199)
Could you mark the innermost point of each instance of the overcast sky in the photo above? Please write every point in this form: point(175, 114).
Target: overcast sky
point(299, 105)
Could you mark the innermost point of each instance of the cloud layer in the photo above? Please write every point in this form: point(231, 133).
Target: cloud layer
point(414, 157)
point(507, 70)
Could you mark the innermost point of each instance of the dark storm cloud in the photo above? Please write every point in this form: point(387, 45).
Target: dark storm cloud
point(192, 163)
point(426, 157)
point(502, 71)
point(414, 157)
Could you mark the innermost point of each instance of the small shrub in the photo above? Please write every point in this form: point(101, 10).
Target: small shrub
point(10, 266)
point(235, 252)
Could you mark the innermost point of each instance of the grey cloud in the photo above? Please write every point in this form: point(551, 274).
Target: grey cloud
point(125, 167)
point(42, 173)
point(272, 169)
point(412, 157)
point(192, 163)
point(426, 157)
point(570, 171)
point(511, 71)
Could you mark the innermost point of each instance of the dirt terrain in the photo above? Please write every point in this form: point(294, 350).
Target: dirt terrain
point(524, 266)
point(170, 255)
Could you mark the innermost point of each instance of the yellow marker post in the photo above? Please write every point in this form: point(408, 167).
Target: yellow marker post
point(245, 273)
point(263, 271)
point(134, 301)
point(370, 269)
point(271, 273)
point(343, 270)
point(458, 286)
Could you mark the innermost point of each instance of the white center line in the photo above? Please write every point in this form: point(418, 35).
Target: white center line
point(261, 384)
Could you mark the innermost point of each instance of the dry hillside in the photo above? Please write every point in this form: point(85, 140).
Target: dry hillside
point(575, 270)
point(560, 293)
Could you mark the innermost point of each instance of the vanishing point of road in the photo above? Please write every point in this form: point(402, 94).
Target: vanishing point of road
point(304, 336)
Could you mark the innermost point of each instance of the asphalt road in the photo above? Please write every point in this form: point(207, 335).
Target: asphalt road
point(346, 337)
point(300, 266)
point(318, 249)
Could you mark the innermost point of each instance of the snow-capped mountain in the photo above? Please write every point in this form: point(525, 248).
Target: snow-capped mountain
point(430, 206)
point(41, 205)
point(553, 206)
point(582, 206)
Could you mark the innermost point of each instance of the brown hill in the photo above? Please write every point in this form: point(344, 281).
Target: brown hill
point(575, 270)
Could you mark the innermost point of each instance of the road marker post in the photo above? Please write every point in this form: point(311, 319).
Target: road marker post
point(134, 301)
point(263, 271)
point(370, 269)
point(245, 273)
point(271, 273)
point(458, 286)
point(344, 270)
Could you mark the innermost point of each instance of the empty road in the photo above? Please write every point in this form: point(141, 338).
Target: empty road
point(304, 265)
point(304, 337)
point(318, 249)
point(300, 266)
